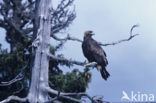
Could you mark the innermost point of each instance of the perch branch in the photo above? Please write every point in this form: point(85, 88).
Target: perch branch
point(16, 98)
point(68, 37)
point(92, 64)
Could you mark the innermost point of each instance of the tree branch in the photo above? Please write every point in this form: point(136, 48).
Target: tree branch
point(19, 77)
point(66, 38)
point(67, 95)
point(52, 100)
point(92, 64)
point(62, 16)
point(123, 40)
point(16, 98)
point(60, 45)
point(18, 91)
point(13, 25)
point(107, 44)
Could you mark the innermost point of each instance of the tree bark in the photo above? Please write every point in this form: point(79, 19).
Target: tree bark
point(41, 46)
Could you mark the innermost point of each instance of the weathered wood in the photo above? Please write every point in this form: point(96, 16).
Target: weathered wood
point(41, 46)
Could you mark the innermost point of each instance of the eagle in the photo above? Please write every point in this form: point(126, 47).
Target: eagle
point(94, 53)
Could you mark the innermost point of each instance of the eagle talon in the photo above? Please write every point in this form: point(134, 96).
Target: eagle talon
point(90, 64)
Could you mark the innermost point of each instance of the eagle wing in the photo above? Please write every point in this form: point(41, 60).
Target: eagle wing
point(97, 52)
point(94, 53)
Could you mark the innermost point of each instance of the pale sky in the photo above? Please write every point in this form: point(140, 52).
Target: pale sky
point(131, 64)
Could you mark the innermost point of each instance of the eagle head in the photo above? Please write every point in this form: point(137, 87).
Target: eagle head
point(88, 33)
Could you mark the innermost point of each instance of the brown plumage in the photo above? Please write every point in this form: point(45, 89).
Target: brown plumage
point(94, 53)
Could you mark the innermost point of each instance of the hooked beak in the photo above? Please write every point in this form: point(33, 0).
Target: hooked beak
point(92, 33)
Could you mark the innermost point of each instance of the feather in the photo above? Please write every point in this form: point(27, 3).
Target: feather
point(94, 53)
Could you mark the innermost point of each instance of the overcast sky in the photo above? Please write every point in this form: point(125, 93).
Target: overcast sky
point(131, 64)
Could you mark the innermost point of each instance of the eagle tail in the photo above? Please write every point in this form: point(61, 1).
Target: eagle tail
point(104, 73)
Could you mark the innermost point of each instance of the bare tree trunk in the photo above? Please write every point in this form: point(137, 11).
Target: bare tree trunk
point(41, 46)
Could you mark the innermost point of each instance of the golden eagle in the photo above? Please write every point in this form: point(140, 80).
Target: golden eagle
point(94, 53)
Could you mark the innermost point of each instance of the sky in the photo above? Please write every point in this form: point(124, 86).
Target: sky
point(131, 64)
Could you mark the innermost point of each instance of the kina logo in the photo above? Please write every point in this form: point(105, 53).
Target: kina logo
point(137, 97)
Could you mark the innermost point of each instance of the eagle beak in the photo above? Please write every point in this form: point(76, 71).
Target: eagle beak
point(93, 33)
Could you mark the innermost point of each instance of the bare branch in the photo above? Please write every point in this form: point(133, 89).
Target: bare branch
point(19, 77)
point(52, 100)
point(67, 95)
point(107, 44)
point(66, 38)
point(16, 98)
point(60, 45)
point(22, 87)
point(123, 40)
point(63, 15)
point(93, 64)
point(12, 24)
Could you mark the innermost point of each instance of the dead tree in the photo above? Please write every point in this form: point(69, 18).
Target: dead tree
point(41, 47)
